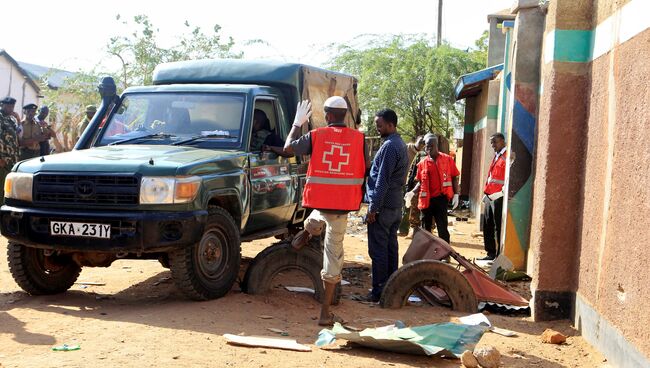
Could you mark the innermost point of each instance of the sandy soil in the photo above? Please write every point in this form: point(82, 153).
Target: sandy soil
point(139, 319)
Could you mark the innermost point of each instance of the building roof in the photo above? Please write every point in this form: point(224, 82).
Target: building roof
point(55, 78)
point(22, 71)
point(470, 84)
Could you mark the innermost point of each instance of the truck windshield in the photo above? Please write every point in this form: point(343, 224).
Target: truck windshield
point(172, 117)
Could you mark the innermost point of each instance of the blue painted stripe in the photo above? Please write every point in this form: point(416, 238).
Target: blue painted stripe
point(524, 125)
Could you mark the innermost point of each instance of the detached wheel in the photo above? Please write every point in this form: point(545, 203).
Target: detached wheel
point(39, 274)
point(414, 275)
point(208, 269)
point(281, 257)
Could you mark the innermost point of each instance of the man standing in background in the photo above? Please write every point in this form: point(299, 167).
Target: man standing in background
point(384, 197)
point(32, 134)
point(90, 112)
point(48, 133)
point(8, 138)
point(437, 177)
point(493, 198)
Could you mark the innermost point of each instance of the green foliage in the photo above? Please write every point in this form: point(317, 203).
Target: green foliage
point(412, 76)
point(140, 52)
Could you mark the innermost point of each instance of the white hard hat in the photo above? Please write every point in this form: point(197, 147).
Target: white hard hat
point(336, 102)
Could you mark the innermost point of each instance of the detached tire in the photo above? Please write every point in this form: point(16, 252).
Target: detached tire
point(282, 257)
point(39, 274)
point(208, 269)
point(426, 273)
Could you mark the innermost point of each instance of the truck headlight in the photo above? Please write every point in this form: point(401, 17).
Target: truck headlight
point(158, 190)
point(19, 186)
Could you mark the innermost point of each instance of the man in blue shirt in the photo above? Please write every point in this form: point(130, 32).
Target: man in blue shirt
point(384, 197)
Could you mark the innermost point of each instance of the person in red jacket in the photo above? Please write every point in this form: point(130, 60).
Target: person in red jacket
point(493, 198)
point(333, 186)
point(437, 177)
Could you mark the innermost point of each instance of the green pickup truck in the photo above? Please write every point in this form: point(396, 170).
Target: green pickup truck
point(172, 171)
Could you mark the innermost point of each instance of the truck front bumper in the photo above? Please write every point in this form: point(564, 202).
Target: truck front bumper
point(131, 231)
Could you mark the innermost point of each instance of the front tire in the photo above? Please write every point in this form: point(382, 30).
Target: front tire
point(208, 269)
point(39, 274)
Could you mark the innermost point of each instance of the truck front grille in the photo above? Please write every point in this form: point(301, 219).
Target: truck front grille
point(103, 190)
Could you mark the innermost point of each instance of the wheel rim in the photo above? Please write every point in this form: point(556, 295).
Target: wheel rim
point(212, 255)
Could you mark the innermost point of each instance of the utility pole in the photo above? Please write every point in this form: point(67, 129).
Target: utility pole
point(439, 23)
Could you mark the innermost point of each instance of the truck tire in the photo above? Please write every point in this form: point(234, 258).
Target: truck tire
point(429, 272)
point(208, 269)
point(39, 274)
point(282, 257)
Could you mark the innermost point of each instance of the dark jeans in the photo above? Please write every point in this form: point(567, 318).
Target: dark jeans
point(437, 210)
point(492, 226)
point(382, 247)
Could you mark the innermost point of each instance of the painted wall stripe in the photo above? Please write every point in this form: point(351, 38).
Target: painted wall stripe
point(480, 124)
point(492, 111)
point(580, 46)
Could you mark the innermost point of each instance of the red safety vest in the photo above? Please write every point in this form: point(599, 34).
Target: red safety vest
point(444, 163)
point(497, 175)
point(336, 169)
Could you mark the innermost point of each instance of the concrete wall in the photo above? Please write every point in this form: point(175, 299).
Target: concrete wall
point(14, 84)
point(524, 77)
point(589, 244)
point(496, 43)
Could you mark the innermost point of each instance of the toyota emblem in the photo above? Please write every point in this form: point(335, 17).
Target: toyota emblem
point(84, 188)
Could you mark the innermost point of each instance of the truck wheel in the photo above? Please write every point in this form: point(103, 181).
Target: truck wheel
point(282, 257)
point(39, 274)
point(208, 269)
point(409, 277)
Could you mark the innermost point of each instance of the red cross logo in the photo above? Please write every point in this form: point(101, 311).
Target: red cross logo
point(337, 158)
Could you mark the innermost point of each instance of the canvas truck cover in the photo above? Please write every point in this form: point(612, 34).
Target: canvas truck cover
point(296, 81)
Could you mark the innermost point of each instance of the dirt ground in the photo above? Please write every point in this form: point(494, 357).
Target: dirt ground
point(139, 319)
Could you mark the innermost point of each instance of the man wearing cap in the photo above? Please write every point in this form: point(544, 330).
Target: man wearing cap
point(333, 186)
point(48, 133)
point(32, 134)
point(90, 112)
point(8, 138)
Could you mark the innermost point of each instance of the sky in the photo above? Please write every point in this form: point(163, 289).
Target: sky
point(73, 34)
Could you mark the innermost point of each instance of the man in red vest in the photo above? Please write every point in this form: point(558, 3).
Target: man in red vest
point(493, 198)
point(333, 186)
point(437, 177)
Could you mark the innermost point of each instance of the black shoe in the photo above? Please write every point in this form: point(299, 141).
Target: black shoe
point(370, 298)
point(486, 258)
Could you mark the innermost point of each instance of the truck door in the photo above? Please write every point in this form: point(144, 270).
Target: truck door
point(272, 187)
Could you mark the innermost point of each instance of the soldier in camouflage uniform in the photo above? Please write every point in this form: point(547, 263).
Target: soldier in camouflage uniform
point(90, 113)
point(8, 138)
point(414, 213)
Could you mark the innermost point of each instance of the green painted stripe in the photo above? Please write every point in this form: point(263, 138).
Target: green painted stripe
point(492, 111)
point(480, 124)
point(519, 207)
point(573, 46)
point(469, 128)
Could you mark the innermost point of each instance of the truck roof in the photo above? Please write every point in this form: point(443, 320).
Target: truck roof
point(296, 81)
point(237, 71)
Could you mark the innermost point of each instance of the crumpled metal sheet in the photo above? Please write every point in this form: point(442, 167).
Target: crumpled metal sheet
point(442, 339)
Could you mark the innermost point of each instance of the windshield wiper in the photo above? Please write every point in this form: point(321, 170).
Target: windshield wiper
point(196, 138)
point(155, 135)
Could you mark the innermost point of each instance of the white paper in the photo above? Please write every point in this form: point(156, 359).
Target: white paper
point(476, 319)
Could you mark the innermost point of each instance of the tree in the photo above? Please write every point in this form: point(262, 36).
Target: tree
point(139, 52)
point(410, 75)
